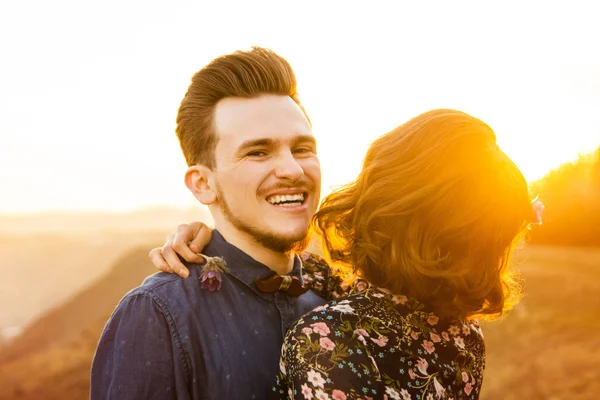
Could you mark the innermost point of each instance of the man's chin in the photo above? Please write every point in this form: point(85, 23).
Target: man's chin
point(286, 242)
point(293, 236)
point(300, 245)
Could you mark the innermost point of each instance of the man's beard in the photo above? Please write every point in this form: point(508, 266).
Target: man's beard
point(272, 241)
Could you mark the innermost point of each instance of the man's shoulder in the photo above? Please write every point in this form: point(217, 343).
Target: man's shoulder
point(162, 286)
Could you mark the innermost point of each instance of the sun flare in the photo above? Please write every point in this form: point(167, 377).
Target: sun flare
point(88, 113)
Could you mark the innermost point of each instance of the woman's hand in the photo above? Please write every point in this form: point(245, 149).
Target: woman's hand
point(187, 241)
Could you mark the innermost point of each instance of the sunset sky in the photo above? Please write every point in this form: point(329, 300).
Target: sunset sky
point(89, 90)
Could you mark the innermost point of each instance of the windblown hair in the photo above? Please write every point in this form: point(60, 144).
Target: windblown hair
point(245, 74)
point(434, 214)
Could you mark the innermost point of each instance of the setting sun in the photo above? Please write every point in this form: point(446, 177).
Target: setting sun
point(89, 101)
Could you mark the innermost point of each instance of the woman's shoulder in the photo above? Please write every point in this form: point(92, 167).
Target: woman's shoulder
point(331, 312)
point(345, 319)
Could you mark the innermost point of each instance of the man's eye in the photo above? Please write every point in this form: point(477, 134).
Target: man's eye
point(257, 153)
point(303, 150)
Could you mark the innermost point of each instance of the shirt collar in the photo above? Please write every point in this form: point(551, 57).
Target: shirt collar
point(243, 267)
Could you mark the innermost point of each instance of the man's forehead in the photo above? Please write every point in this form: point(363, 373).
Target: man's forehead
point(275, 117)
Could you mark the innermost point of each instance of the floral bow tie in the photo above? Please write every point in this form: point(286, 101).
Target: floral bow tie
point(288, 284)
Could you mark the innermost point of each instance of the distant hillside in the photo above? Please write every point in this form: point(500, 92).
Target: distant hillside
point(47, 257)
point(51, 359)
point(148, 219)
point(41, 271)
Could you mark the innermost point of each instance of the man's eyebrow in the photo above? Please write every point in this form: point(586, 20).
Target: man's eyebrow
point(256, 142)
point(270, 142)
point(306, 138)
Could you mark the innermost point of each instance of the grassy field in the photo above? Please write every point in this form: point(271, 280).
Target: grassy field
point(547, 348)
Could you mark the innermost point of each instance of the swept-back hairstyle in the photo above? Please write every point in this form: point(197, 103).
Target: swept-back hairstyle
point(240, 74)
point(434, 214)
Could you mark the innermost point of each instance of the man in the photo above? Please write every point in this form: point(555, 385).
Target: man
point(252, 160)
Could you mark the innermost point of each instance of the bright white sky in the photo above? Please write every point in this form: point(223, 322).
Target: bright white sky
point(89, 90)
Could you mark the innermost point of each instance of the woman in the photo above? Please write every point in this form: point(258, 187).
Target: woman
point(427, 231)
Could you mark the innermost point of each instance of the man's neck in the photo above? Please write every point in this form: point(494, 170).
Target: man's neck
point(280, 263)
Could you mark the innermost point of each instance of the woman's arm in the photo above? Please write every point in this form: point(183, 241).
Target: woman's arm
point(186, 242)
point(189, 239)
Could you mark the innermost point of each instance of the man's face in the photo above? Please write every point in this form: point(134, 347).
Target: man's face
point(267, 174)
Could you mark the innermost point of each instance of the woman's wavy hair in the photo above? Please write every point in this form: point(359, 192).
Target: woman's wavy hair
point(434, 215)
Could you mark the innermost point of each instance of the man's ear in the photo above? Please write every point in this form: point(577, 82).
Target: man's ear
point(199, 179)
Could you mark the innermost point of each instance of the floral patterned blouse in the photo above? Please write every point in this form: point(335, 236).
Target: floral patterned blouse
point(374, 345)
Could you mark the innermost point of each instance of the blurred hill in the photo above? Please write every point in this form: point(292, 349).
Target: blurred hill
point(52, 358)
point(545, 349)
point(47, 257)
point(571, 194)
point(41, 271)
point(162, 219)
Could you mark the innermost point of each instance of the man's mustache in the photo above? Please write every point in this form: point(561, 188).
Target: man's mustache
point(305, 186)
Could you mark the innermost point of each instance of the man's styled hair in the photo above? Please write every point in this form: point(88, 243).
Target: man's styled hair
point(434, 214)
point(245, 74)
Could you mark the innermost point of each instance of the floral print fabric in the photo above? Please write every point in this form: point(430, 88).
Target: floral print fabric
point(374, 345)
point(317, 274)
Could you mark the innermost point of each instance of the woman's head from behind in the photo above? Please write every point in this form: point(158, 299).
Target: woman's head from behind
point(433, 214)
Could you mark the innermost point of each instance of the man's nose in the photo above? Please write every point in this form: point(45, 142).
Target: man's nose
point(287, 167)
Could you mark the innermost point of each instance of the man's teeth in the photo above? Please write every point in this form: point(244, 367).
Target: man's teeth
point(287, 199)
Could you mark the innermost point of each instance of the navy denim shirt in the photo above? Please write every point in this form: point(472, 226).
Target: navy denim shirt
point(170, 339)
